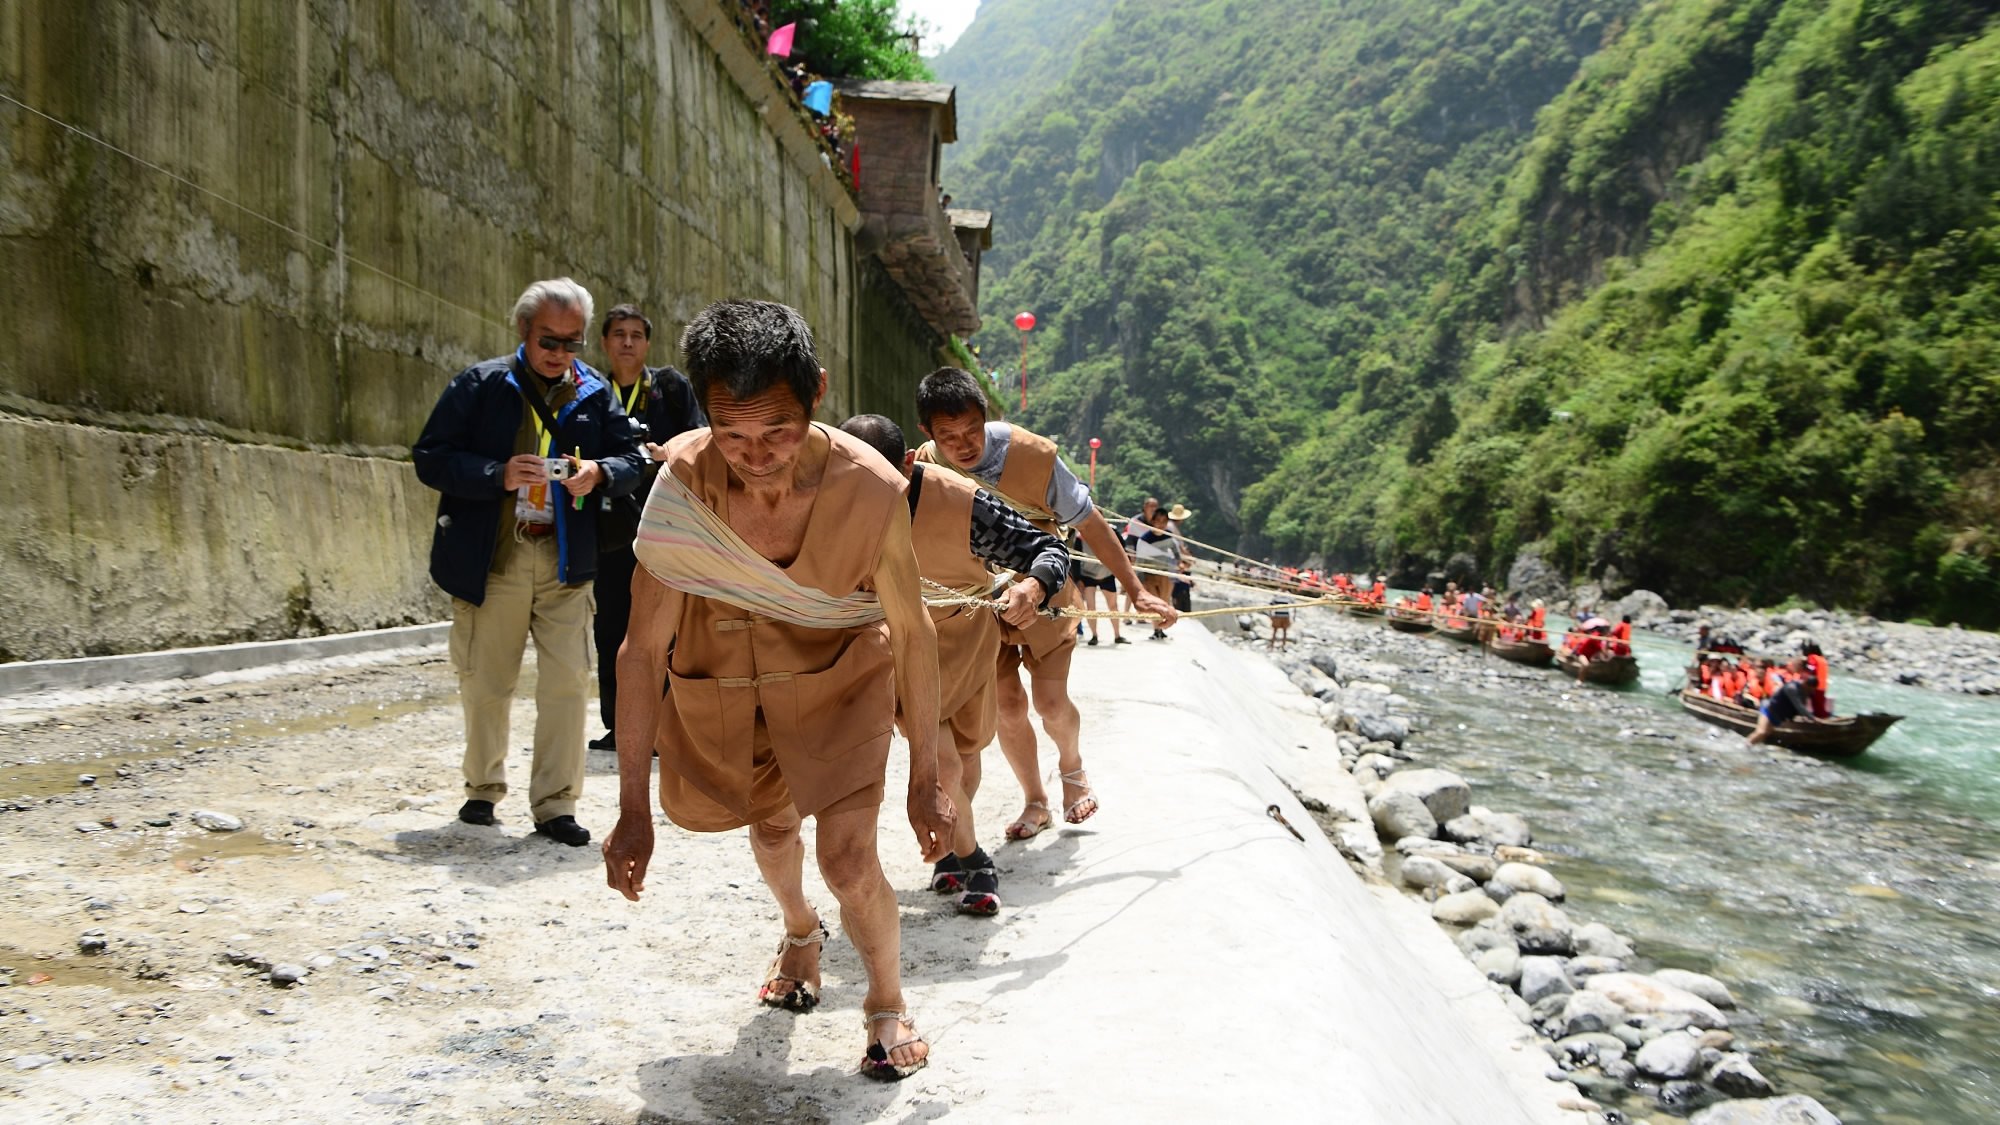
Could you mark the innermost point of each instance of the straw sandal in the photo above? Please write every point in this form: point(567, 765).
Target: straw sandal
point(875, 1064)
point(1025, 829)
point(803, 995)
point(1089, 798)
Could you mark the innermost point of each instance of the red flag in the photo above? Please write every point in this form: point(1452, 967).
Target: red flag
point(781, 41)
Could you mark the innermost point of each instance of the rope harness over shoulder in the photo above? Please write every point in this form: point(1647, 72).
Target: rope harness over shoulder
point(689, 548)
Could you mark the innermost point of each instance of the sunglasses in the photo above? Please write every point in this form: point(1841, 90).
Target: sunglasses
point(558, 344)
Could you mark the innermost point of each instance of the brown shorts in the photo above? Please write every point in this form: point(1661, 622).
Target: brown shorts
point(1159, 585)
point(696, 811)
point(1053, 664)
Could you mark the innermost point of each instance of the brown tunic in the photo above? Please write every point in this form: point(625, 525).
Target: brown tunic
point(765, 715)
point(1024, 485)
point(968, 637)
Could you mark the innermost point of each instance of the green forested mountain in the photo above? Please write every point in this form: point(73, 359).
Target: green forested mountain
point(1015, 51)
point(1705, 291)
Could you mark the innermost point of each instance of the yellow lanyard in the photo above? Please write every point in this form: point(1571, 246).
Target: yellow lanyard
point(630, 397)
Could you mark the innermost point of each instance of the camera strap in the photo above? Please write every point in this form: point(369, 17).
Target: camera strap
point(536, 403)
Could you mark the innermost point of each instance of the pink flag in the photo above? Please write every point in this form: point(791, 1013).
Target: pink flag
point(781, 41)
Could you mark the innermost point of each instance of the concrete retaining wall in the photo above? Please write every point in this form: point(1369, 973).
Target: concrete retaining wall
point(221, 408)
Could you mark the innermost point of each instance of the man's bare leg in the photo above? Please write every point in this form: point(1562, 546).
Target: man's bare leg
point(781, 858)
point(953, 769)
point(853, 872)
point(1065, 726)
point(1017, 745)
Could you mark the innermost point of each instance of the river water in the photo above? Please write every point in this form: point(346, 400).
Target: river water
point(1854, 908)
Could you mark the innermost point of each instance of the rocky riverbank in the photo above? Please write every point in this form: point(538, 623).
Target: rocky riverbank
point(1638, 1036)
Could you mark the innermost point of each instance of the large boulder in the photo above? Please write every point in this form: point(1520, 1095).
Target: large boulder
point(1464, 908)
point(1543, 976)
point(1532, 577)
point(1510, 879)
point(1647, 996)
point(1398, 814)
point(1486, 828)
point(1644, 607)
point(1444, 793)
point(1673, 1055)
point(1794, 1109)
point(1701, 984)
point(1539, 926)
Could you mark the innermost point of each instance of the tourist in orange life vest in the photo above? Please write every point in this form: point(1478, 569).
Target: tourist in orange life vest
point(1621, 637)
point(1424, 602)
point(1538, 616)
point(1816, 669)
point(1379, 592)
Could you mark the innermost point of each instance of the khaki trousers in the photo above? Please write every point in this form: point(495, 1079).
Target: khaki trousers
point(487, 640)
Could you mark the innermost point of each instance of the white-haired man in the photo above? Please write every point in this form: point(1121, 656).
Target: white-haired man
point(516, 549)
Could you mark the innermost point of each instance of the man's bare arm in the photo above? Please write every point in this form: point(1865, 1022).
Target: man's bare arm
point(914, 640)
point(642, 667)
point(1103, 542)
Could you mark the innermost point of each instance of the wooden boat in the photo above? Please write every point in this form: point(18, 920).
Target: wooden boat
point(1364, 609)
point(1465, 629)
point(1842, 736)
point(1612, 670)
point(1409, 621)
point(1523, 652)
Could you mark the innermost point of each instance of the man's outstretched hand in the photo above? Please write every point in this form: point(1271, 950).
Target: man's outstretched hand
point(932, 817)
point(1146, 602)
point(627, 851)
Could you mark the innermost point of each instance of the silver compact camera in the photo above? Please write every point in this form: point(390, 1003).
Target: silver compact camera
point(560, 468)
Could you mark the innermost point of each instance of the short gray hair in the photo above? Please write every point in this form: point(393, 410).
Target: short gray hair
point(562, 292)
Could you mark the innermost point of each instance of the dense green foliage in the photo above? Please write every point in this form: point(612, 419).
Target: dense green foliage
point(851, 38)
point(1015, 51)
point(1717, 304)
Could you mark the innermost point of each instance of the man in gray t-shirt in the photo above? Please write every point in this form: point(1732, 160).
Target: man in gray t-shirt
point(1023, 469)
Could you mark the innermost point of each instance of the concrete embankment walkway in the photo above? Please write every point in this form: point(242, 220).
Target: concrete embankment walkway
point(1180, 957)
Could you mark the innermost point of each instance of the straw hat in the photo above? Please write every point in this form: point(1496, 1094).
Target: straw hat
point(1178, 512)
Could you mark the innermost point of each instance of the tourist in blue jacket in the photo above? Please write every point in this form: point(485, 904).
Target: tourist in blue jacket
point(516, 543)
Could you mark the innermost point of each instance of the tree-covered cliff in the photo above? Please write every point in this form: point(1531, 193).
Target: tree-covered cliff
point(1707, 292)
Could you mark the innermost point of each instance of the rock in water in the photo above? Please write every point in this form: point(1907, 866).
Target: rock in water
point(1393, 729)
point(1647, 996)
point(1477, 868)
point(1674, 1055)
point(216, 821)
point(1543, 976)
point(1488, 829)
point(1511, 879)
point(1422, 871)
point(1323, 661)
point(1595, 939)
point(1794, 1109)
point(1701, 984)
point(1398, 814)
point(1464, 908)
point(1444, 793)
point(1537, 925)
point(1733, 1075)
point(1588, 1011)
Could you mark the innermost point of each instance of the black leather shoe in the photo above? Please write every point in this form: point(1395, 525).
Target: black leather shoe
point(608, 742)
point(564, 830)
point(477, 812)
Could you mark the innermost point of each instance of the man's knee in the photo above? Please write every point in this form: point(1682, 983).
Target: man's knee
point(775, 834)
point(1052, 700)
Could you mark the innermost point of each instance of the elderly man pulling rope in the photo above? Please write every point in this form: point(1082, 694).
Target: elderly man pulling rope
point(778, 595)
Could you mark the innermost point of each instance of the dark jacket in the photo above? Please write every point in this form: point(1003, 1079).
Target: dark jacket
point(463, 453)
point(667, 409)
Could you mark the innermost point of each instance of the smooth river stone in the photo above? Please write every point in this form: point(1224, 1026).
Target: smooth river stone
point(1794, 1109)
point(1514, 878)
point(1464, 908)
point(1734, 1076)
point(1488, 829)
point(1537, 925)
point(1675, 1055)
point(1543, 976)
point(1398, 814)
point(1444, 793)
point(1501, 964)
point(1701, 984)
point(1647, 996)
point(1595, 939)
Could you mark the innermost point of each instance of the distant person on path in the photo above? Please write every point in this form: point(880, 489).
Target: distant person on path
point(1281, 623)
point(779, 595)
point(1129, 536)
point(1091, 577)
point(517, 550)
point(1159, 552)
point(659, 401)
point(1022, 468)
point(960, 530)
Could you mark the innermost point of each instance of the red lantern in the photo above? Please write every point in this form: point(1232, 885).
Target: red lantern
point(1024, 320)
point(1094, 443)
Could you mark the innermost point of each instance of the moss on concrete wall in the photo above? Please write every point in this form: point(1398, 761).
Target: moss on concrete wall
point(450, 151)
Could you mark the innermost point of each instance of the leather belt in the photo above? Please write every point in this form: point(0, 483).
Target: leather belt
point(534, 530)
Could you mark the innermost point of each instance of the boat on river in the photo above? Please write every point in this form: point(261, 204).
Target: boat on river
point(1523, 652)
point(1365, 609)
point(1464, 629)
point(1612, 670)
point(1410, 621)
point(1842, 736)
